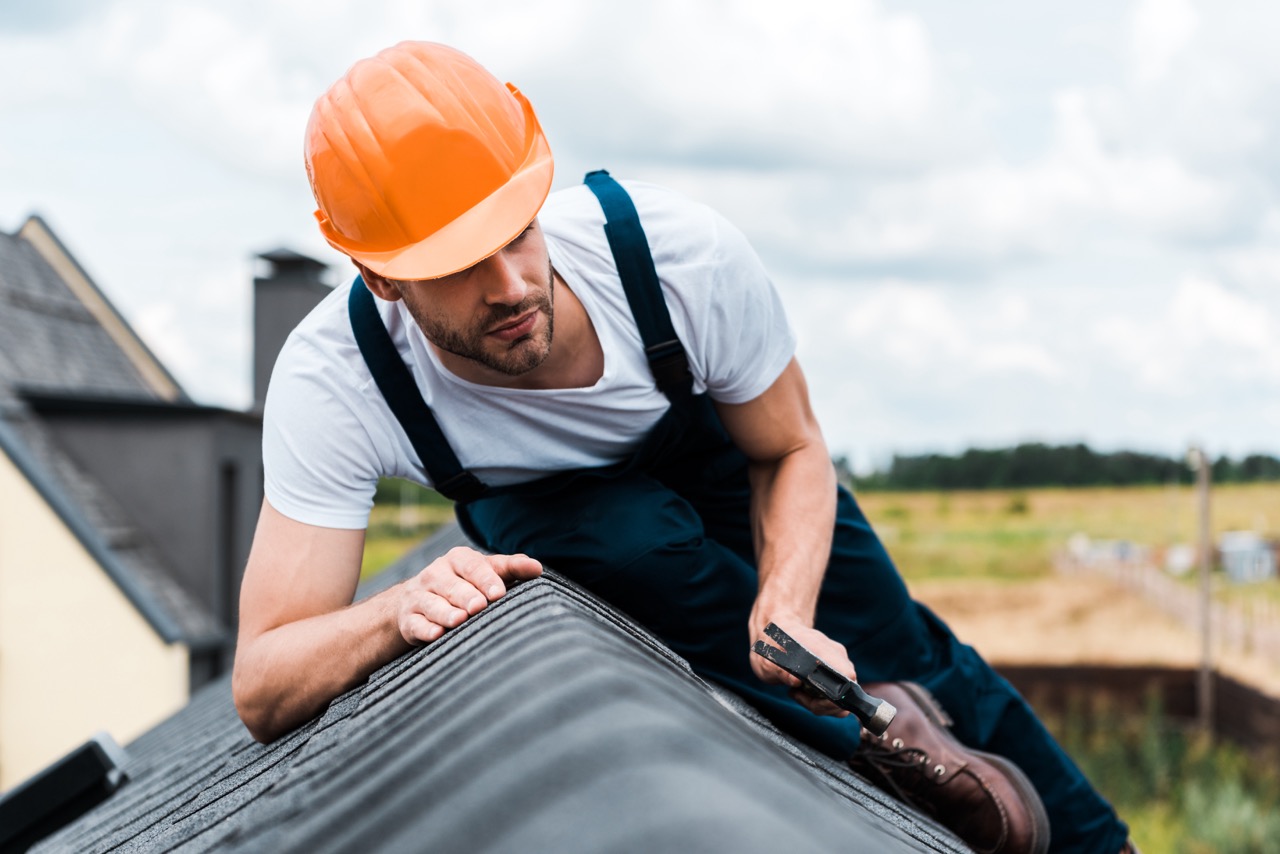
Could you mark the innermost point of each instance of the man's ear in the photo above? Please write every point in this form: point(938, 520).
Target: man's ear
point(378, 286)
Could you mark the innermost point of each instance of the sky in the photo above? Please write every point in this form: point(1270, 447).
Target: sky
point(991, 222)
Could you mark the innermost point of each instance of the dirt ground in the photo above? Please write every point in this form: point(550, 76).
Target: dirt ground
point(1072, 620)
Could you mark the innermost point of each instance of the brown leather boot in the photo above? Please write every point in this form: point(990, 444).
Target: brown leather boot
point(982, 798)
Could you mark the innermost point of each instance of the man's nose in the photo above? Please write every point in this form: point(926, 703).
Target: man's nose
point(503, 284)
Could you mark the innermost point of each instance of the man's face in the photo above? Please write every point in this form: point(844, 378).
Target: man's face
point(498, 313)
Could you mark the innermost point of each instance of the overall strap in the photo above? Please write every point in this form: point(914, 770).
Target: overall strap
point(630, 248)
point(395, 382)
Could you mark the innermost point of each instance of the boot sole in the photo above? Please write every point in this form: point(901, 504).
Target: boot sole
point(1021, 783)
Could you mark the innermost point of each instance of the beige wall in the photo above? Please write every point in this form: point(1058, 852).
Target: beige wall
point(75, 656)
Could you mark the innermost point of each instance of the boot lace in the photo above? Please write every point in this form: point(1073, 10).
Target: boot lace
point(895, 767)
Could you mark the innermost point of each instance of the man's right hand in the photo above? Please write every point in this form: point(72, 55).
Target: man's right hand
point(302, 642)
point(455, 587)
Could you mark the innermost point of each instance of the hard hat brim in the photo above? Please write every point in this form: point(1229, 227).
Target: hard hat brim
point(475, 235)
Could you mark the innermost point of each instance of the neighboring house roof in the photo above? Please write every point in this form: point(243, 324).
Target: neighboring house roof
point(61, 337)
point(548, 722)
point(60, 330)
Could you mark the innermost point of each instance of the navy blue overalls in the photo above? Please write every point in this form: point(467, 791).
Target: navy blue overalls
point(666, 537)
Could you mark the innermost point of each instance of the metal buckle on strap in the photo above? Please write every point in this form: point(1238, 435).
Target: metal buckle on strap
point(669, 364)
point(463, 486)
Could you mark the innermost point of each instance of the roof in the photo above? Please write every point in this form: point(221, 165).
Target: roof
point(61, 331)
point(60, 338)
point(548, 722)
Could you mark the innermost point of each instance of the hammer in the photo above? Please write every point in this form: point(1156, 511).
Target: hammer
point(824, 681)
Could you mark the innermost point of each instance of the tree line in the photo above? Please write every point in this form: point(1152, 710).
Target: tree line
point(1035, 464)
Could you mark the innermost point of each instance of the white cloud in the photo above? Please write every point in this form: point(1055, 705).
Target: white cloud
point(206, 327)
point(919, 328)
point(41, 70)
point(158, 324)
point(837, 80)
point(1161, 30)
point(1256, 265)
point(929, 367)
point(196, 70)
point(910, 366)
point(1205, 335)
point(823, 74)
point(1078, 192)
point(820, 84)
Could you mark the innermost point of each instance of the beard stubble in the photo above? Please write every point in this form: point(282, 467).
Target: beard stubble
point(511, 358)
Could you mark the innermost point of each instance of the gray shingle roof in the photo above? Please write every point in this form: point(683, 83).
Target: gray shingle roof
point(50, 341)
point(549, 722)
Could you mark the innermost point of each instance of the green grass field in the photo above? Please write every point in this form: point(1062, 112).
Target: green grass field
point(1002, 534)
point(394, 530)
point(1013, 534)
point(1178, 792)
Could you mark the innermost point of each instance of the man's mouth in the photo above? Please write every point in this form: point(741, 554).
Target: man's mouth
point(517, 328)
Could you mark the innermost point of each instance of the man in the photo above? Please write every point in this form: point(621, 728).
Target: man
point(604, 380)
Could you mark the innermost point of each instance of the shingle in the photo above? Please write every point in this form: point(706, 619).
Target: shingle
point(50, 339)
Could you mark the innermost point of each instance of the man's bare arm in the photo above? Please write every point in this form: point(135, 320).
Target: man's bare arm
point(302, 642)
point(793, 488)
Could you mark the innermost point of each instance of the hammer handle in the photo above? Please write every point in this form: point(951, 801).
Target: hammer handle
point(822, 680)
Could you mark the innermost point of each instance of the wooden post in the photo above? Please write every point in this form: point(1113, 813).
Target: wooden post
point(1204, 682)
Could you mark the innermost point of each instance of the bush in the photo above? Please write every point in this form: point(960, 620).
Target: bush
point(1180, 792)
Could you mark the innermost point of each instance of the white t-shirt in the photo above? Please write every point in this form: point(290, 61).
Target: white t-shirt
point(328, 434)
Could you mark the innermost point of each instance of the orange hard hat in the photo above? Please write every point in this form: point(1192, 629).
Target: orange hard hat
point(423, 164)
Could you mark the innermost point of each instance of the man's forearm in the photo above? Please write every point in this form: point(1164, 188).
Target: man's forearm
point(287, 675)
point(793, 516)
